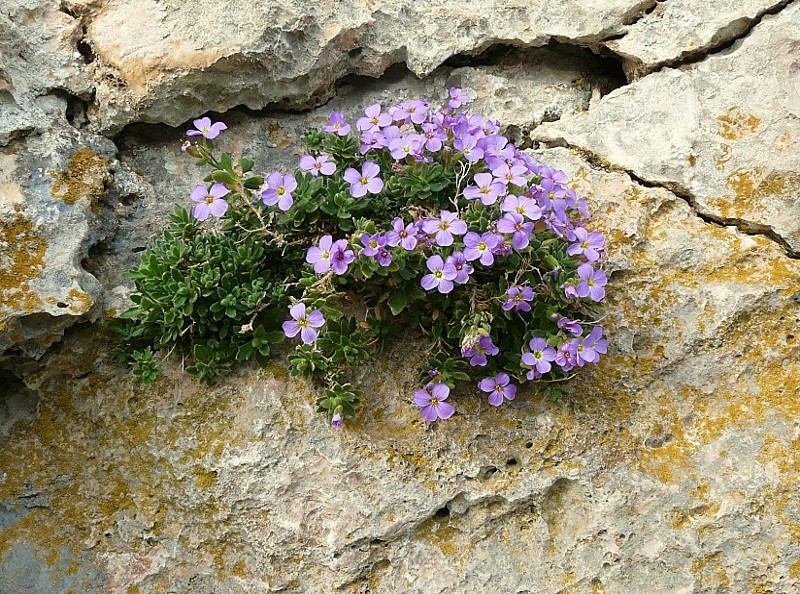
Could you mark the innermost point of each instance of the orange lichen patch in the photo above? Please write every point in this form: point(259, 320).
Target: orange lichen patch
point(710, 573)
point(671, 463)
point(143, 444)
point(79, 302)
point(752, 189)
point(22, 251)
point(723, 157)
point(84, 177)
point(278, 136)
point(735, 125)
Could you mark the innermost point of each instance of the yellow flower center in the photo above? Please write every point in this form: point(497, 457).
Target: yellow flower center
point(209, 199)
point(326, 255)
point(280, 191)
point(302, 322)
point(364, 181)
point(434, 401)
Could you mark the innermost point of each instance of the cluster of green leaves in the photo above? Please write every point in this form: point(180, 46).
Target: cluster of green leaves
point(218, 295)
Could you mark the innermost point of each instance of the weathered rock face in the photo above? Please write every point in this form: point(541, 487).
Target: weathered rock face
point(711, 133)
point(38, 54)
point(670, 467)
point(50, 187)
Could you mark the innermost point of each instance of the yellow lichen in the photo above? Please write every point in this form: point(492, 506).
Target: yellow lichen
point(84, 177)
point(735, 125)
point(22, 250)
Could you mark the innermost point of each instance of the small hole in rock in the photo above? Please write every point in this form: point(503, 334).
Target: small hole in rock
point(511, 462)
point(138, 248)
point(529, 445)
point(442, 512)
point(62, 305)
point(488, 472)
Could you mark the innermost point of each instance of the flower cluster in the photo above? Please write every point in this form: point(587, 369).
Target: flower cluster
point(432, 219)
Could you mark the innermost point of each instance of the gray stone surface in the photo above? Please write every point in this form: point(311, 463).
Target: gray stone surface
point(174, 60)
point(669, 468)
point(722, 131)
point(38, 54)
point(677, 30)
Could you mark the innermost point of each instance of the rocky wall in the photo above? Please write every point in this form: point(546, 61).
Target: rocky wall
point(671, 467)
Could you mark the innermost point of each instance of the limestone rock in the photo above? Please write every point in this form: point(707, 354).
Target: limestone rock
point(680, 29)
point(159, 61)
point(50, 187)
point(38, 53)
point(711, 131)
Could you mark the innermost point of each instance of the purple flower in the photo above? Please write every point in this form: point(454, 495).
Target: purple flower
point(372, 243)
point(209, 202)
point(592, 283)
point(432, 402)
point(477, 351)
point(410, 111)
point(447, 225)
point(441, 277)
point(336, 420)
point(486, 188)
point(468, 145)
point(540, 356)
point(318, 165)
point(567, 354)
point(304, 323)
point(514, 223)
point(433, 137)
point(463, 269)
point(338, 125)
point(409, 145)
point(571, 326)
point(480, 246)
point(372, 140)
point(510, 174)
point(404, 235)
point(279, 190)
point(374, 119)
point(586, 244)
point(591, 347)
point(320, 256)
point(517, 298)
point(375, 247)
point(499, 388)
point(383, 257)
point(366, 181)
point(457, 98)
point(206, 129)
point(341, 257)
point(522, 205)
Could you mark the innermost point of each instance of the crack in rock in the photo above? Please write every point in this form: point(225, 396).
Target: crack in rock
point(742, 225)
point(727, 35)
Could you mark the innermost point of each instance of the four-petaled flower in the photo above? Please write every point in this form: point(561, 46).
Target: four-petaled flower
point(303, 322)
point(330, 255)
point(206, 129)
point(499, 388)
point(480, 247)
point(486, 188)
point(540, 356)
point(318, 165)
point(431, 400)
point(517, 298)
point(209, 202)
point(337, 124)
point(441, 277)
point(402, 234)
point(366, 181)
point(279, 190)
point(374, 119)
point(592, 283)
point(447, 225)
point(586, 244)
